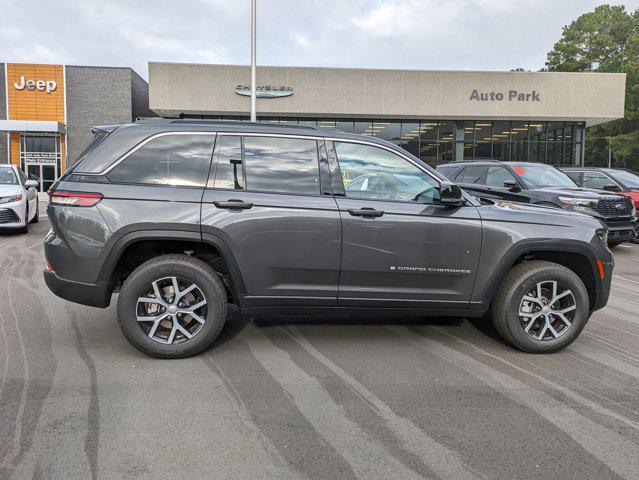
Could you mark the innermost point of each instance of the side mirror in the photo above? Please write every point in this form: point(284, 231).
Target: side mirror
point(612, 188)
point(450, 195)
point(32, 184)
point(512, 185)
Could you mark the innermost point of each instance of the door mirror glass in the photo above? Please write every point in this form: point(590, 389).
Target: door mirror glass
point(451, 195)
point(612, 188)
point(31, 184)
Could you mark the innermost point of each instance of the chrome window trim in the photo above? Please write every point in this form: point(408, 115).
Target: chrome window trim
point(140, 145)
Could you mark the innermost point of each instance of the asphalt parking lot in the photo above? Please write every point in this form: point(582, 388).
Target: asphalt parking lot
point(299, 397)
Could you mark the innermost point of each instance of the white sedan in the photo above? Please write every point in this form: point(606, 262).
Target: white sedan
point(18, 199)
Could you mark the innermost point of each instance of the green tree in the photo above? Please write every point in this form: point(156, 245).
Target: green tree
point(605, 40)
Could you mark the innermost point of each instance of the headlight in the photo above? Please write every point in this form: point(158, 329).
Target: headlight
point(602, 233)
point(15, 198)
point(579, 204)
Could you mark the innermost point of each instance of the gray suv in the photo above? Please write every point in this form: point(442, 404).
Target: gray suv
point(185, 217)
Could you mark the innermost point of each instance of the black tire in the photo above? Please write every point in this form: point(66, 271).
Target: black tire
point(519, 282)
point(614, 244)
point(36, 217)
point(189, 269)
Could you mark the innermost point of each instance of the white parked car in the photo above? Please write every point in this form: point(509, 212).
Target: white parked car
point(18, 199)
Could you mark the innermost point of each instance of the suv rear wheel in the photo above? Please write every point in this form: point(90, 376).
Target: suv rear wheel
point(172, 306)
point(540, 307)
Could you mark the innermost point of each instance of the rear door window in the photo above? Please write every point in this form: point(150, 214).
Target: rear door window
point(472, 174)
point(576, 176)
point(281, 165)
point(174, 159)
point(596, 180)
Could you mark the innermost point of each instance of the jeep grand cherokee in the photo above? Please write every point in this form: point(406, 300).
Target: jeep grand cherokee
point(184, 217)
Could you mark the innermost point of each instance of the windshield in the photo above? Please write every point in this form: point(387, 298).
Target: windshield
point(7, 177)
point(629, 179)
point(540, 176)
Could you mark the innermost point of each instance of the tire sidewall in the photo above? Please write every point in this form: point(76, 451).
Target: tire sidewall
point(139, 283)
point(527, 284)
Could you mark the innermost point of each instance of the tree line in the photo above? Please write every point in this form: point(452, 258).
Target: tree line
point(605, 40)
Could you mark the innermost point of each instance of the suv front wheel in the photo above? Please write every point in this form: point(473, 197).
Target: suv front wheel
point(172, 306)
point(540, 307)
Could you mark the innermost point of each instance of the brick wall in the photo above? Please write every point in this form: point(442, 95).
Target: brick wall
point(95, 96)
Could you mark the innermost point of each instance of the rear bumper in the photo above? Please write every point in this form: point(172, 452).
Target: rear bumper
point(91, 294)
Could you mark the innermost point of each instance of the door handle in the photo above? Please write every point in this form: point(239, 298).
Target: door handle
point(234, 205)
point(365, 212)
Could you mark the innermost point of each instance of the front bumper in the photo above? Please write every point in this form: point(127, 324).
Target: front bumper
point(12, 215)
point(91, 294)
point(621, 230)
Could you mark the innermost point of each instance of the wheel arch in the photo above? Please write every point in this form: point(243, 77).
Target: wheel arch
point(135, 248)
point(572, 255)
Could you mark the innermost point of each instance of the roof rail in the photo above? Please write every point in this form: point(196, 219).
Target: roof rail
point(200, 121)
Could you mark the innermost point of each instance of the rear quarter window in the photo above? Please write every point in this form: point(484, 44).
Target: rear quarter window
point(172, 159)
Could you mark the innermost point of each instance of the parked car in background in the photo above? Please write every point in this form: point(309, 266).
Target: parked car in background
point(18, 199)
point(543, 184)
point(183, 217)
point(623, 182)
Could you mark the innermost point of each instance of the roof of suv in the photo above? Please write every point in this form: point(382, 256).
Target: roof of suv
point(489, 161)
point(168, 124)
point(123, 138)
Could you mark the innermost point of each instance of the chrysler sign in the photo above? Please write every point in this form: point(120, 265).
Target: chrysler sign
point(265, 91)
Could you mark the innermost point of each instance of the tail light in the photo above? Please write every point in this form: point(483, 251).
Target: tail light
point(75, 199)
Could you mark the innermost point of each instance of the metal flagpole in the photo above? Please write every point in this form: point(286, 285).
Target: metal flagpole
point(253, 56)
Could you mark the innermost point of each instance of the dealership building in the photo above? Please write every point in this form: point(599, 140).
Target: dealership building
point(439, 116)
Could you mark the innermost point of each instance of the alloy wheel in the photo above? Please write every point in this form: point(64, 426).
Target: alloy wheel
point(172, 311)
point(547, 312)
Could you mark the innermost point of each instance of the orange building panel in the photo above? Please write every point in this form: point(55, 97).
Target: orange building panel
point(38, 103)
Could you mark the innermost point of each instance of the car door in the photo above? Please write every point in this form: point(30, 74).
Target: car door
point(266, 200)
point(400, 247)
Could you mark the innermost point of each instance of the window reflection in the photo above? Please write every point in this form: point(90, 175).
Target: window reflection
point(168, 160)
point(287, 165)
point(229, 172)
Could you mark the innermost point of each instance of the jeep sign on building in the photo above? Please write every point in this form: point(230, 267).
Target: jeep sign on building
point(437, 115)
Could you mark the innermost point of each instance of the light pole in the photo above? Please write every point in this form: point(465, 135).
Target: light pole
point(253, 56)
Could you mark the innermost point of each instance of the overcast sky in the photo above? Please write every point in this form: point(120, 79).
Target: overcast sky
point(420, 34)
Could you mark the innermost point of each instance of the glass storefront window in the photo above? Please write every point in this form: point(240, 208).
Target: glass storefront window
point(428, 153)
point(441, 141)
point(344, 126)
point(307, 123)
point(387, 130)
point(363, 127)
point(410, 137)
